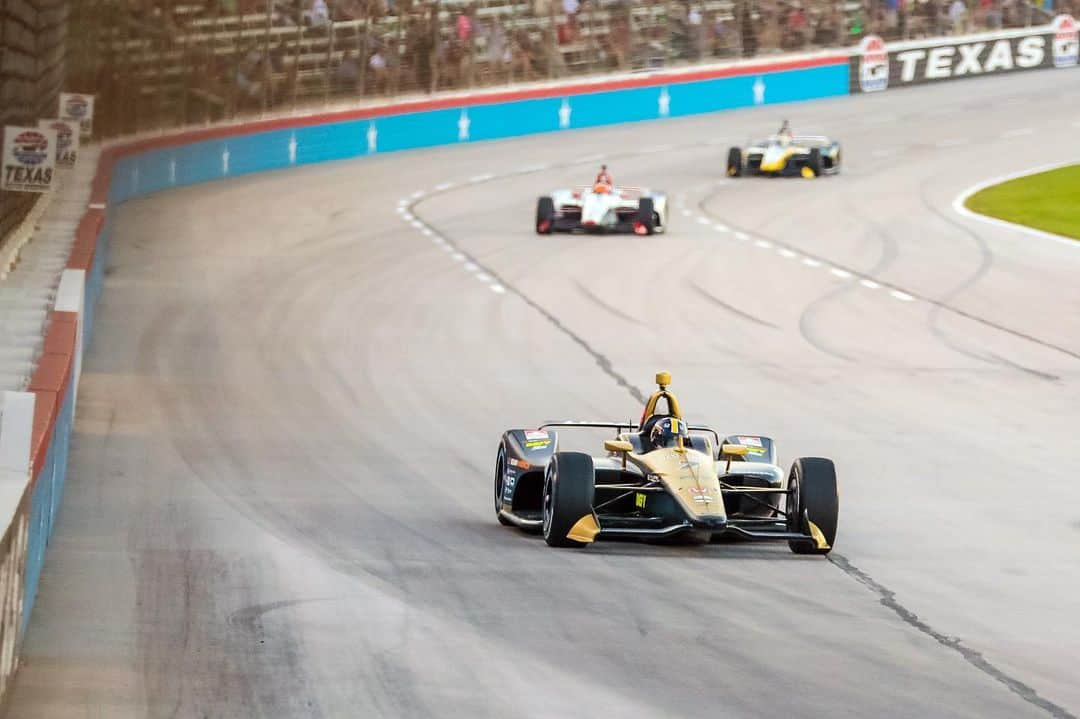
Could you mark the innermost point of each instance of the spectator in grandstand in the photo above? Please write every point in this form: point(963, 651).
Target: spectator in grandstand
point(748, 32)
point(249, 76)
point(377, 65)
point(318, 14)
point(795, 28)
point(695, 33)
point(958, 17)
point(617, 42)
point(348, 73)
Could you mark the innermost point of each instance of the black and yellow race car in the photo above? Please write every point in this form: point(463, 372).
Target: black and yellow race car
point(662, 479)
point(786, 156)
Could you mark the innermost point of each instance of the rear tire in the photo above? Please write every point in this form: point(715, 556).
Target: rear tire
point(545, 216)
point(816, 164)
point(734, 162)
point(814, 497)
point(569, 486)
point(646, 216)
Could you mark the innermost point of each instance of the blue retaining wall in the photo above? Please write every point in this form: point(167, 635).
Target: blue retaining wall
point(206, 160)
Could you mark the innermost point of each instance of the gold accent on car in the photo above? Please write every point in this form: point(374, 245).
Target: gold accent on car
point(584, 530)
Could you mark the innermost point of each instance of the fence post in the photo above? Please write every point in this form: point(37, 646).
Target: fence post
point(16, 430)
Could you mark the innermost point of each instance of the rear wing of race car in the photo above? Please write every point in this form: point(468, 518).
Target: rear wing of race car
point(624, 426)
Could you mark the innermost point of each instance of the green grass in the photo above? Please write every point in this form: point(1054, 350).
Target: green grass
point(1047, 201)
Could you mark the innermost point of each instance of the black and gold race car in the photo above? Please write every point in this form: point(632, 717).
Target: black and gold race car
point(663, 479)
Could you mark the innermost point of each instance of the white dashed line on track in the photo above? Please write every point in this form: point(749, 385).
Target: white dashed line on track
point(458, 256)
point(811, 262)
point(869, 284)
point(788, 253)
point(471, 267)
point(443, 186)
point(704, 221)
point(427, 233)
point(842, 274)
point(742, 236)
point(721, 227)
point(499, 289)
point(484, 277)
point(763, 244)
point(685, 212)
point(417, 224)
point(902, 296)
point(481, 178)
point(417, 195)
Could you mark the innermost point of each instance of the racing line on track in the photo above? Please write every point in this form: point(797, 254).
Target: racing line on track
point(406, 209)
point(973, 657)
point(905, 295)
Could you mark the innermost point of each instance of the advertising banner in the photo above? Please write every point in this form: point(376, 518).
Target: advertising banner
point(67, 141)
point(80, 108)
point(29, 159)
point(877, 65)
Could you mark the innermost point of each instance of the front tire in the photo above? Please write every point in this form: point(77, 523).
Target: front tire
point(646, 217)
point(734, 162)
point(569, 485)
point(500, 479)
point(545, 216)
point(816, 164)
point(813, 498)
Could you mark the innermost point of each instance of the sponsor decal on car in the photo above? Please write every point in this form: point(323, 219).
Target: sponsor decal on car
point(873, 64)
point(538, 444)
point(750, 441)
point(700, 495)
point(536, 434)
point(639, 500)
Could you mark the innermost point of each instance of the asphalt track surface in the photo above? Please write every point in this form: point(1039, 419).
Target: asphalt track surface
point(280, 496)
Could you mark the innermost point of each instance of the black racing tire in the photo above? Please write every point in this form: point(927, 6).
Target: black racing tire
point(646, 215)
point(814, 496)
point(500, 478)
point(545, 216)
point(816, 164)
point(569, 486)
point(734, 162)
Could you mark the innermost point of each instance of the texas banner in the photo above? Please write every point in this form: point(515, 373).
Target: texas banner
point(29, 159)
point(877, 66)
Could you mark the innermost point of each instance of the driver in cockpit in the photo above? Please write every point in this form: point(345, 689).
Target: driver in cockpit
point(666, 433)
point(603, 183)
point(785, 135)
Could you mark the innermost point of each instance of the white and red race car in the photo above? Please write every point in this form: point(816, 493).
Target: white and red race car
point(602, 208)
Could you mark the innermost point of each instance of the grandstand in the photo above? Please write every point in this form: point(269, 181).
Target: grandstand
point(159, 64)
